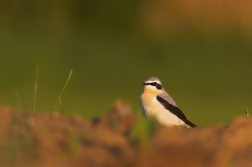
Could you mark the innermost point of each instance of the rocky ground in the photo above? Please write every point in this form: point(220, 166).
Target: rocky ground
point(50, 140)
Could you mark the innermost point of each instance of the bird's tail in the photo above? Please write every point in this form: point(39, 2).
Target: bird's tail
point(190, 124)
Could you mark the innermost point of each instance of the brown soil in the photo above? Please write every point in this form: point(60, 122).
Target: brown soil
point(50, 140)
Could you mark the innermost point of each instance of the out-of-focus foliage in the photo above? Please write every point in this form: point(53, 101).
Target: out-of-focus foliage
point(84, 15)
point(201, 50)
point(164, 17)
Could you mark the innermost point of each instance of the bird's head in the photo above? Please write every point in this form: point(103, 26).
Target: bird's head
point(152, 84)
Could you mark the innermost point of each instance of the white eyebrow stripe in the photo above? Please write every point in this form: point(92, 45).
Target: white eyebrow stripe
point(148, 82)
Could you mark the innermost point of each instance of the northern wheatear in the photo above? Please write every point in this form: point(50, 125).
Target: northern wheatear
point(156, 102)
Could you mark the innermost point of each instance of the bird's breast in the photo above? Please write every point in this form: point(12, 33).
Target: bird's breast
point(150, 105)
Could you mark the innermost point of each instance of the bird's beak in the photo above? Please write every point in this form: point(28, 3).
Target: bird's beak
point(143, 83)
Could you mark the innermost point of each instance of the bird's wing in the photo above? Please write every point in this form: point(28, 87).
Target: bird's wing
point(168, 98)
point(175, 110)
point(172, 108)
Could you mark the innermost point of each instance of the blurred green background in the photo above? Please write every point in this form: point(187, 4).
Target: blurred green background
point(201, 51)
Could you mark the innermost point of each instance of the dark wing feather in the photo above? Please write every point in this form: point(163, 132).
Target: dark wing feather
point(189, 123)
point(175, 110)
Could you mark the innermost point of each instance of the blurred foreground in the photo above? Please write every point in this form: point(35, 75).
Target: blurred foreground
point(39, 139)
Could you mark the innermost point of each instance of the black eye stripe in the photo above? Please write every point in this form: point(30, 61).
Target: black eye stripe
point(152, 83)
point(157, 85)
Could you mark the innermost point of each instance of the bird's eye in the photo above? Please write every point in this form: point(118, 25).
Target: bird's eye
point(153, 83)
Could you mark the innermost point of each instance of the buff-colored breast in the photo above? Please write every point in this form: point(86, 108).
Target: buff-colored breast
point(149, 103)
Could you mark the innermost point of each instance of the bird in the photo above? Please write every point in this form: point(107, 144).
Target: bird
point(156, 102)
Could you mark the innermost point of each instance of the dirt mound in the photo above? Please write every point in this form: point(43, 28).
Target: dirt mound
point(37, 139)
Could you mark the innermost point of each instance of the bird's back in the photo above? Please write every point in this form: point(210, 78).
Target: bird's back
point(168, 98)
